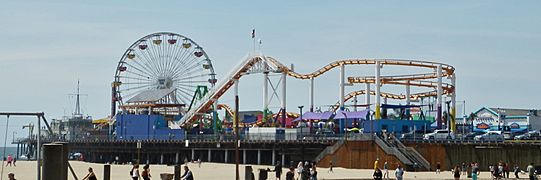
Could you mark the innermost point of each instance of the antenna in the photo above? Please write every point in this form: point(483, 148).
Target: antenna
point(77, 111)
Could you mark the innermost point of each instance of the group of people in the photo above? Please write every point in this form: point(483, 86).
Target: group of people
point(501, 170)
point(379, 174)
point(305, 171)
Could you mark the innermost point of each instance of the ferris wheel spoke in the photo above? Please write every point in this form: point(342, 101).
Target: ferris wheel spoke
point(140, 75)
point(196, 76)
point(133, 78)
point(150, 60)
point(137, 87)
point(146, 60)
point(138, 83)
point(190, 62)
point(183, 82)
point(130, 66)
point(187, 70)
point(180, 63)
point(185, 95)
point(176, 58)
point(183, 59)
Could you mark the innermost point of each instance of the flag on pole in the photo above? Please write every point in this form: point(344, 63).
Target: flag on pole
point(253, 33)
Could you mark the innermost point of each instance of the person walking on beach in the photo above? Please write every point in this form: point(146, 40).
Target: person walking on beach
point(330, 167)
point(398, 173)
point(516, 171)
point(474, 171)
point(376, 163)
point(299, 170)
point(135, 172)
point(438, 167)
point(313, 172)
point(290, 175)
point(11, 176)
point(146, 172)
point(530, 170)
point(187, 174)
point(10, 159)
point(385, 170)
point(90, 175)
point(377, 174)
point(456, 173)
point(278, 170)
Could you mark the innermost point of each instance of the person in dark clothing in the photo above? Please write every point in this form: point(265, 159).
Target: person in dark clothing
point(305, 174)
point(290, 175)
point(517, 170)
point(146, 173)
point(438, 167)
point(187, 174)
point(278, 170)
point(378, 175)
point(456, 173)
point(90, 175)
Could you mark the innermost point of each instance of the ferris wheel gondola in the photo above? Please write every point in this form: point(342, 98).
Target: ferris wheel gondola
point(162, 61)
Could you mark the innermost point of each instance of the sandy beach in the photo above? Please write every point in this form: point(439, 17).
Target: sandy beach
point(26, 170)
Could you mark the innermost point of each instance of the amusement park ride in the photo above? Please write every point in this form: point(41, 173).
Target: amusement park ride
point(171, 75)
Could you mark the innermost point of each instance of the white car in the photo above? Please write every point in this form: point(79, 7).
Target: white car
point(489, 136)
point(440, 134)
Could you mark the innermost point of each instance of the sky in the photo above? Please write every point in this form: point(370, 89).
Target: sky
point(48, 46)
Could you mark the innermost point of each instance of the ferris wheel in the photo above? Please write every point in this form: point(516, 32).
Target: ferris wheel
point(162, 61)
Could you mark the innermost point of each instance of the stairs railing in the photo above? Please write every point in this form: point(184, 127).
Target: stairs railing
point(329, 150)
point(389, 149)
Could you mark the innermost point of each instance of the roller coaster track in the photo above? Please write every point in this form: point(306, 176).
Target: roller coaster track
point(245, 66)
point(385, 95)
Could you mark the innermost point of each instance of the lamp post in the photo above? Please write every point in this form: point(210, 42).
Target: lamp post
point(300, 121)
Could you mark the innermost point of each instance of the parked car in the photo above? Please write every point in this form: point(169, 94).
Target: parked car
point(508, 135)
point(528, 136)
point(489, 136)
point(471, 135)
point(440, 134)
point(23, 157)
point(413, 135)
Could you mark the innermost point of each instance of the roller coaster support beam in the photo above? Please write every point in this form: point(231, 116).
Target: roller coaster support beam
point(265, 95)
point(368, 99)
point(284, 76)
point(453, 102)
point(236, 120)
point(342, 85)
point(439, 101)
point(215, 116)
point(355, 103)
point(408, 99)
point(378, 87)
point(311, 95)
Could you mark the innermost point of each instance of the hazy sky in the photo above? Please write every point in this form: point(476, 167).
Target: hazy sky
point(47, 46)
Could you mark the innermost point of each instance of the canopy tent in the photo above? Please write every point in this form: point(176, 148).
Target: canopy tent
point(351, 115)
point(315, 116)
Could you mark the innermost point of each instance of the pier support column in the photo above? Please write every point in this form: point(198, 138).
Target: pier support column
point(161, 158)
point(226, 156)
point(284, 76)
point(107, 172)
point(439, 93)
point(244, 156)
point(378, 86)
point(367, 100)
point(259, 157)
point(176, 158)
point(453, 104)
point(209, 156)
point(193, 154)
point(342, 86)
point(312, 94)
point(273, 156)
point(283, 159)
